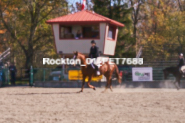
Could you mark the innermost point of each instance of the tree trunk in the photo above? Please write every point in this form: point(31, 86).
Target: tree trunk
point(110, 10)
point(29, 59)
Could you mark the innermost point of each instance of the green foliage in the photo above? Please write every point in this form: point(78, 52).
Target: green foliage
point(163, 30)
point(29, 35)
point(120, 12)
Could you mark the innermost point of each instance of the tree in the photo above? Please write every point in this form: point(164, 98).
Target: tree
point(137, 17)
point(163, 29)
point(24, 20)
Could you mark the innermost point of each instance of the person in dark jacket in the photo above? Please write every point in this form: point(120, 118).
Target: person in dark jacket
point(13, 71)
point(94, 53)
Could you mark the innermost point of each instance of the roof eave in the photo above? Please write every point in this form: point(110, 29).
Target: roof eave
point(121, 25)
point(76, 22)
point(73, 22)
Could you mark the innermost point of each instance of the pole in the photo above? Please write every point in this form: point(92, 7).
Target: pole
point(44, 74)
point(87, 4)
point(63, 66)
point(31, 76)
point(8, 73)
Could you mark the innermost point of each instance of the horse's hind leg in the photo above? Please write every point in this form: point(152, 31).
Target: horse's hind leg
point(106, 86)
point(110, 84)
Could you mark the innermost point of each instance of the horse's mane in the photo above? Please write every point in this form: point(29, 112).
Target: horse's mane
point(82, 55)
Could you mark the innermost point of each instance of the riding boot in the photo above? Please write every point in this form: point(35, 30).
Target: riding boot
point(97, 70)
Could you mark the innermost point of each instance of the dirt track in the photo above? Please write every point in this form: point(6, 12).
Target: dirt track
point(43, 105)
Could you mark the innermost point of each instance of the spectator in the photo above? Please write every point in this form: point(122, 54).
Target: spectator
point(78, 35)
point(13, 71)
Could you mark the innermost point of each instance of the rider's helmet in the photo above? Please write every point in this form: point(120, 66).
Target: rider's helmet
point(181, 54)
point(93, 42)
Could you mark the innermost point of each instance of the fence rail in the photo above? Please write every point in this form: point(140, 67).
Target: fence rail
point(48, 74)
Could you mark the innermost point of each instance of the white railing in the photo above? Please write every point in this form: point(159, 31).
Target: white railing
point(5, 54)
point(139, 53)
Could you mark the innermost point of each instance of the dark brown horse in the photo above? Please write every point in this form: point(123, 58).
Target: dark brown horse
point(175, 71)
point(106, 69)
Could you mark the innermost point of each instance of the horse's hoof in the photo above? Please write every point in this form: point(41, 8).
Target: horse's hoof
point(94, 88)
point(80, 91)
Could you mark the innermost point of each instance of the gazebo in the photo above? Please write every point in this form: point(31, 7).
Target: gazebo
point(91, 26)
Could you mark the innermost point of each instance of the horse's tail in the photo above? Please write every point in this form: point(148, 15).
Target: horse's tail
point(117, 74)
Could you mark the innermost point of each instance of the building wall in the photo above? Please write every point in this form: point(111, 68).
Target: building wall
point(80, 45)
point(110, 45)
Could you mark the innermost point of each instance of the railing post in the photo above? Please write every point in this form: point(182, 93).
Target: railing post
point(44, 74)
point(31, 76)
point(3, 77)
point(8, 75)
point(61, 75)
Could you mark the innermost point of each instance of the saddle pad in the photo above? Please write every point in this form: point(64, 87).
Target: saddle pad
point(100, 60)
point(182, 68)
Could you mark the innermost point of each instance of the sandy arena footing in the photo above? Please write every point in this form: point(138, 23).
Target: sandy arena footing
point(64, 105)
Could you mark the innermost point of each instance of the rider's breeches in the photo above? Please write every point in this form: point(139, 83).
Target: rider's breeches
point(93, 65)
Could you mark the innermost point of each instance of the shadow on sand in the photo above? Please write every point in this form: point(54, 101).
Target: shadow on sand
point(47, 93)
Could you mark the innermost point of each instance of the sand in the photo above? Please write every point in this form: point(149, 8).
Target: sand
point(64, 105)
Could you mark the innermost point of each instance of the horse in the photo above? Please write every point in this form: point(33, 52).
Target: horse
point(175, 71)
point(106, 69)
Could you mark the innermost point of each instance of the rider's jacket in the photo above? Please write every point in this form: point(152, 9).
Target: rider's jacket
point(94, 53)
point(181, 62)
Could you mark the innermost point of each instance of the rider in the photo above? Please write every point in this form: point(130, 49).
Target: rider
point(94, 53)
point(181, 63)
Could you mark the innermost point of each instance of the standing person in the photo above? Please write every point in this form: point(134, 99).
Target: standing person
point(94, 53)
point(13, 71)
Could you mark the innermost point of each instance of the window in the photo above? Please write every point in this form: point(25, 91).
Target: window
point(65, 32)
point(91, 31)
point(111, 32)
point(79, 32)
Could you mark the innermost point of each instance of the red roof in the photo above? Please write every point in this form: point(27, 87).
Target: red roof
point(84, 16)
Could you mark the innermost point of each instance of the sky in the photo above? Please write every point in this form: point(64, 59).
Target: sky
point(74, 1)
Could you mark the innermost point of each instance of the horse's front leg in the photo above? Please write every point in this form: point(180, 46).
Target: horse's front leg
point(177, 83)
point(111, 85)
point(89, 85)
point(83, 83)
